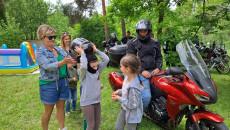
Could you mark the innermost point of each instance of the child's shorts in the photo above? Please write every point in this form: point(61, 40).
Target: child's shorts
point(50, 93)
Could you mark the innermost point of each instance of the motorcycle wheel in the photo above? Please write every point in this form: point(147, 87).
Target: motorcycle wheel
point(222, 68)
point(206, 125)
point(227, 59)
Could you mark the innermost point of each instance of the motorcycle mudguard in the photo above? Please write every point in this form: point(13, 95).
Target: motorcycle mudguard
point(206, 114)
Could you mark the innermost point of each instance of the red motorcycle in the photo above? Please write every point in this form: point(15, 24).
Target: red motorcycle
point(176, 94)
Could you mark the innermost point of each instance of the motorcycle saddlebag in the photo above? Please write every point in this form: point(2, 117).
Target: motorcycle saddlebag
point(116, 80)
point(116, 53)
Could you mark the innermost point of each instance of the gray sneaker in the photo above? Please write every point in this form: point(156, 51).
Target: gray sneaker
point(67, 114)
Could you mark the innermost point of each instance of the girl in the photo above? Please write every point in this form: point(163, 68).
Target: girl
point(131, 101)
point(90, 71)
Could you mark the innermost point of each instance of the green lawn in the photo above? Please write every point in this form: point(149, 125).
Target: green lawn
point(21, 108)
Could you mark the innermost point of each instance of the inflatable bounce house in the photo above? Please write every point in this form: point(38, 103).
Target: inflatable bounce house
point(18, 61)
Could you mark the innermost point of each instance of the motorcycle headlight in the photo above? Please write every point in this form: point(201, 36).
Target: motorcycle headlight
point(202, 98)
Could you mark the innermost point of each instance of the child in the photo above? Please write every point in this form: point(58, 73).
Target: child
point(72, 90)
point(131, 101)
point(89, 74)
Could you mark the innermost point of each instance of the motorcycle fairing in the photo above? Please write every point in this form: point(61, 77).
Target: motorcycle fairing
point(172, 106)
point(178, 94)
point(206, 114)
point(196, 68)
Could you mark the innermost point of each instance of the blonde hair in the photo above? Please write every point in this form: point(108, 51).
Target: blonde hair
point(43, 30)
point(62, 39)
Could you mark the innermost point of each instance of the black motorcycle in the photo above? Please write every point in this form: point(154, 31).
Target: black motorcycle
point(115, 52)
point(214, 59)
point(223, 55)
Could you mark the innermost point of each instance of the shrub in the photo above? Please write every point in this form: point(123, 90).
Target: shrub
point(10, 34)
point(92, 29)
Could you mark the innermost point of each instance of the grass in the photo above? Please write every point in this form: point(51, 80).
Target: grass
point(20, 106)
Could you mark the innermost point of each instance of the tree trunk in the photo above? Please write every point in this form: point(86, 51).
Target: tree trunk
point(26, 36)
point(161, 13)
point(203, 17)
point(161, 17)
point(123, 27)
point(105, 25)
point(160, 20)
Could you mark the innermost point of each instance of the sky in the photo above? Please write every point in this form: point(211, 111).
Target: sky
point(98, 4)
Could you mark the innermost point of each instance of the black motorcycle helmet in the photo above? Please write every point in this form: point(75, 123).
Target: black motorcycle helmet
point(144, 25)
point(104, 43)
point(85, 44)
point(113, 35)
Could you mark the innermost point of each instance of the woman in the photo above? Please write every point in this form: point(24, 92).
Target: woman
point(65, 41)
point(53, 81)
point(65, 45)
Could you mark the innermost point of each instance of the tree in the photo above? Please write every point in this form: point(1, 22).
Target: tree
point(29, 13)
point(85, 8)
point(123, 9)
point(58, 21)
point(2, 10)
point(93, 29)
point(73, 14)
point(10, 33)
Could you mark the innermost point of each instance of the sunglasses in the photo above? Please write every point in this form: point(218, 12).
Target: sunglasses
point(50, 37)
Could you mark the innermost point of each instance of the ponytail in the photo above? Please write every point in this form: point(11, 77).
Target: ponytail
point(140, 80)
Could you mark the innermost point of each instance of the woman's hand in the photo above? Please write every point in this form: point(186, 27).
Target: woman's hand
point(68, 60)
point(79, 50)
point(115, 98)
point(94, 47)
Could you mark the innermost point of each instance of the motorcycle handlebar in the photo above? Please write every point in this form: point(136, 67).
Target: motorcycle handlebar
point(158, 74)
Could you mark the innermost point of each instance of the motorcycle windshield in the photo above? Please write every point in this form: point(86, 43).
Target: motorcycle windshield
point(196, 67)
point(192, 60)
